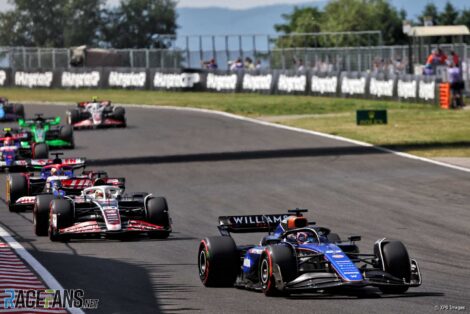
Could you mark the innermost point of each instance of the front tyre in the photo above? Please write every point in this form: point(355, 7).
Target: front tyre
point(41, 214)
point(157, 214)
point(17, 186)
point(284, 259)
point(61, 216)
point(397, 263)
point(40, 151)
point(218, 261)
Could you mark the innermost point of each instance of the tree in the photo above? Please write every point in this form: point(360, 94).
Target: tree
point(50, 23)
point(344, 16)
point(302, 20)
point(137, 23)
point(449, 16)
point(430, 11)
point(83, 22)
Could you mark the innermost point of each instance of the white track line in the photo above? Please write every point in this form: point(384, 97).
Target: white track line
point(46, 276)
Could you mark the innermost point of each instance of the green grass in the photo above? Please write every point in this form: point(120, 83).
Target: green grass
point(245, 104)
point(421, 129)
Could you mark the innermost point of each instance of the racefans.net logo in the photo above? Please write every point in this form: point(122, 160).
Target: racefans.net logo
point(47, 299)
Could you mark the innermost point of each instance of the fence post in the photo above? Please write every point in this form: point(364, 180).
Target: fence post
point(240, 46)
point(188, 54)
point(39, 58)
point(131, 58)
point(53, 58)
point(227, 52)
point(147, 58)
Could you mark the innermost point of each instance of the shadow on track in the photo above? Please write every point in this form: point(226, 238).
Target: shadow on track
point(243, 155)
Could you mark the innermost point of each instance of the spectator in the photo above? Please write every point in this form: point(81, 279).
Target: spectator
point(442, 56)
point(301, 66)
point(258, 64)
point(455, 58)
point(456, 85)
point(249, 64)
point(210, 65)
point(236, 65)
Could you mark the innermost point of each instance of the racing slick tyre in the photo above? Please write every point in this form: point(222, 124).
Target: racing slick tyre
point(397, 263)
point(18, 109)
point(333, 237)
point(66, 134)
point(17, 186)
point(73, 116)
point(218, 261)
point(285, 259)
point(157, 214)
point(61, 216)
point(40, 151)
point(119, 114)
point(41, 214)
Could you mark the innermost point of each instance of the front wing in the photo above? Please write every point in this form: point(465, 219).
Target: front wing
point(96, 227)
point(106, 123)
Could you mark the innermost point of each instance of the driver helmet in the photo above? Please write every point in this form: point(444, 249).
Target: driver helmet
point(94, 99)
point(99, 194)
point(302, 237)
point(53, 171)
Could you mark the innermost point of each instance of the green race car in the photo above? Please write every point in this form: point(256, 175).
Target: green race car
point(46, 130)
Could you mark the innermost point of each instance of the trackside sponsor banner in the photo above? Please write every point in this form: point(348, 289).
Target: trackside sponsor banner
point(324, 85)
point(257, 82)
point(427, 90)
point(292, 83)
point(406, 89)
point(222, 82)
point(123, 79)
point(34, 79)
point(84, 79)
point(3, 77)
point(353, 86)
point(381, 88)
point(175, 80)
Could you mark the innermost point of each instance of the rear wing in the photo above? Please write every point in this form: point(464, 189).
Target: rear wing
point(83, 104)
point(250, 224)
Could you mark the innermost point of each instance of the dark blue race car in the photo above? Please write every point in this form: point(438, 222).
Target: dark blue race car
point(10, 112)
point(297, 256)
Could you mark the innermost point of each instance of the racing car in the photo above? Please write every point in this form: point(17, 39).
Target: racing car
point(298, 256)
point(13, 155)
point(56, 178)
point(46, 130)
point(10, 112)
point(101, 211)
point(96, 114)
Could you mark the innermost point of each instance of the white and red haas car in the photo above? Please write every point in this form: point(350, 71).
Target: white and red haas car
point(101, 211)
point(56, 178)
point(96, 114)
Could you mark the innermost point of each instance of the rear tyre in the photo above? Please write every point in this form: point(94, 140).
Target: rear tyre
point(40, 151)
point(41, 214)
point(73, 116)
point(282, 257)
point(61, 216)
point(66, 134)
point(17, 186)
point(218, 261)
point(157, 214)
point(18, 109)
point(397, 263)
point(119, 114)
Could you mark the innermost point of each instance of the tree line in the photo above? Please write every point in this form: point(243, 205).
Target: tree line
point(359, 15)
point(67, 23)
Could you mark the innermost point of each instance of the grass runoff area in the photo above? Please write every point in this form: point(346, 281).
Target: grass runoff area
point(420, 129)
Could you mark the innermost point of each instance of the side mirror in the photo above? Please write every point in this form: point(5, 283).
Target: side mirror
point(57, 120)
point(354, 238)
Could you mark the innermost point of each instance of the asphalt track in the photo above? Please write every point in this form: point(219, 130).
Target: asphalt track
point(208, 165)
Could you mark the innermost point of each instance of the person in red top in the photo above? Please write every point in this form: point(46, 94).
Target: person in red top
point(455, 58)
point(442, 56)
